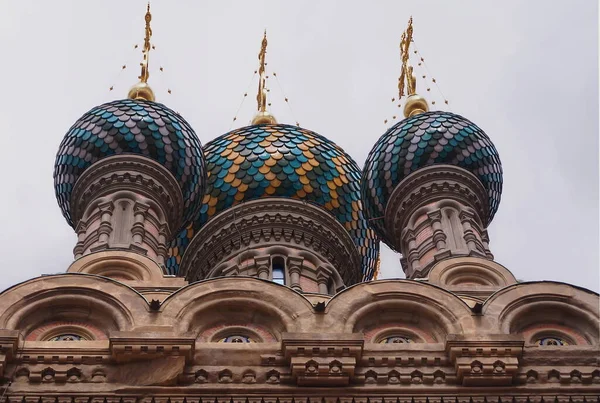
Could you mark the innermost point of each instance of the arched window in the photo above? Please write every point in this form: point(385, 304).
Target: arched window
point(396, 340)
point(67, 337)
point(278, 270)
point(236, 339)
point(551, 341)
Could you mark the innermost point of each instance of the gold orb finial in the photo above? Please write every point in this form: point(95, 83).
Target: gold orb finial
point(142, 90)
point(264, 118)
point(415, 104)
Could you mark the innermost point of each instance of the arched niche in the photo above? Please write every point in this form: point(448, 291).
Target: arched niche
point(80, 298)
point(118, 265)
point(427, 311)
point(470, 272)
point(225, 302)
point(546, 309)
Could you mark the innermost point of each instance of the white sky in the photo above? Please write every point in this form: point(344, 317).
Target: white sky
point(525, 72)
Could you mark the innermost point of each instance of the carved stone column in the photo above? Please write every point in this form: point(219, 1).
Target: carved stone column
point(126, 202)
point(295, 268)
point(137, 230)
point(439, 236)
point(106, 209)
point(262, 267)
point(435, 213)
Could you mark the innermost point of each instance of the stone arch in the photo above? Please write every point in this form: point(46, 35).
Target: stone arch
point(382, 304)
point(83, 298)
point(118, 265)
point(470, 271)
point(221, 302)
point(545, 307)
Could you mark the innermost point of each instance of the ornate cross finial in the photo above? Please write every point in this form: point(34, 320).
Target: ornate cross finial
point(142, 90)
point(145, 74)
point(407, 83)
point(262, 117)
point(261, 97)
point(406, 75)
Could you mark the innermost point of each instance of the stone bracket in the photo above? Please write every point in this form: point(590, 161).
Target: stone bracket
point(135, 346)
point(491, 360)
point(322, 359)
point(9, 343)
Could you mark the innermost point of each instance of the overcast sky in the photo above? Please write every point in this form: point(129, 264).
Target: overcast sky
point(526, 72)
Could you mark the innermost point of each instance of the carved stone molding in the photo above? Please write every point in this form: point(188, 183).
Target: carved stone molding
point(322, 359)
point(9, 343)
point(273, 221)
point(135, 346)
point(306, 396)
point(133, 173)
point(436, 213)
point(430, 184)
point(490, 360)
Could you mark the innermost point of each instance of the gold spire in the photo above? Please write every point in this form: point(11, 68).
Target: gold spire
point(263, 116)
point(415, 104)
point(142, 90)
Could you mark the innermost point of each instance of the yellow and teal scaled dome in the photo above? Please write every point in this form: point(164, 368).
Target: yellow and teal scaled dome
point(278, 160)
point(132, 126)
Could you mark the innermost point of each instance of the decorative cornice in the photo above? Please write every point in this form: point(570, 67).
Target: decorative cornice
point(129, 172)
point(270, 221)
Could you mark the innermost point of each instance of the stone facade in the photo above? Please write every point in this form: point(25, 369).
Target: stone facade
point(268, 302)
point(304, 346)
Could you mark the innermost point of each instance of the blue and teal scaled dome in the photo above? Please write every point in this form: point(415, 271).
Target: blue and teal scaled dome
point(132, 126)
point(277, 160)
point(426, 139)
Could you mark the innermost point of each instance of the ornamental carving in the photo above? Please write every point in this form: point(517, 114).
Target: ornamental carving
point(429, 185)
point(491, 360)
point(322, 360)
point(132, 173)
point(263, 222)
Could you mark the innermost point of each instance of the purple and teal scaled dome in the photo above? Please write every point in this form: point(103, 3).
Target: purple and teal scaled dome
point(422, 140)
point(282, 161)
point(137, 127)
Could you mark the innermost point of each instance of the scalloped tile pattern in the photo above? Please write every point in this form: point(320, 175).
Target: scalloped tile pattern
point(138, 127)
point(423, 140)
point(282, 161)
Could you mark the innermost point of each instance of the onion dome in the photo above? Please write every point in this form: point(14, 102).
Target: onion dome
point(134, 126)
point(422, 140)
point(278, 160)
